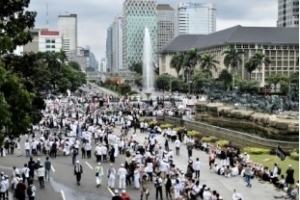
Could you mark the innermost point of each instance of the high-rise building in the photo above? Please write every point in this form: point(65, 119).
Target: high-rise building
point(67, 26)
point(288, 13)
point(109, 49)
point(196, 18)
point(137, 15)
point(44, 40)
point(50, 41)
point(118, 43)
point(165, 25)
point(33, 46)
point(102, 65)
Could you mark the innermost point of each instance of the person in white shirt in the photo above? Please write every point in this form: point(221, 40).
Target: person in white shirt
point(99, 174)
point(111, 175)
point(27, 148)
point(98, 152)
point(177, 190)
point(33, 190)
point(236, 195)
point(136, 177)
point(197, 168)
point(3, 188)
point(41, 174)
point(206, 194)
point(25, 173)
point(104, 153)
point(122, 172)
point(16, 172)
point(177, 146)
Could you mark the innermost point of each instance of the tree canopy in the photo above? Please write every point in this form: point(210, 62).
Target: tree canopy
point(25, 79)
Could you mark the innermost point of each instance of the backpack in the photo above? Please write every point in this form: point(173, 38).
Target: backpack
point(279, 171)
point(74, 153)
point(29, 191)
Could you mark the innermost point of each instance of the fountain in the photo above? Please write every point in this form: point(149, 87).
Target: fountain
point(148, 71)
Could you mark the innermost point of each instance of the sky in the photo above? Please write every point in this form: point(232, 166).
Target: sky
point(95, 16)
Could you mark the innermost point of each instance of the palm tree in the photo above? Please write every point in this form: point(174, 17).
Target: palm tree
point(191, 59)
point(232, 60)
point(259, 60)
point(208, 63)
point(225, 77)
point(177, 62)
point(250, 67)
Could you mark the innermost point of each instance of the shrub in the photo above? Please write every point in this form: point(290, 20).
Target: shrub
point(209, 139)
point(178, 129)
point(294, 155)
point(192, 134)
point(222, 143)
point(142, 119)
point(166, 126)
point(198, 137)
point(257, 151)
point(233, 145)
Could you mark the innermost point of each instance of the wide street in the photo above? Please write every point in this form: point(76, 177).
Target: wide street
point(63, 185)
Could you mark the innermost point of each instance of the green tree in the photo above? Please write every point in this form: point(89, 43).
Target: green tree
point(225, 77)
point(138, 80)
point(232, 60)
point(136, 67)
point(15, 24)
point(74, 65)
point(162, 82)
point(208, 63)
point(257, 60)
point(177, 62)
point(200, 79)
point(250, 67)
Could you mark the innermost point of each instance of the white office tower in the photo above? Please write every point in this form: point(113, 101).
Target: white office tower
point(67, 26)
point(196, 18)
point(288, 13)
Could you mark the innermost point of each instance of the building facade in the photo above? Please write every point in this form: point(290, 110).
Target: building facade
point(50, 41)
point(80, 56)
point(67, 26)
point(138, 15)
point(109, 49)
point(196, 18)
point(33, 46)
point(117, 44)
point(288, 13)
point(165, 25)
point(281, 47)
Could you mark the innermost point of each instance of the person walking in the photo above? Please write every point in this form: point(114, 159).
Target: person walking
point(20, 190)
point(111, 175)
point(27, 148)
point(197, 168)
point(177, 146)
point(168, 186)
point(74, 156)
point(158, 187)
point(41, 174)
point(99, 174)
point(31, 190)
point(78, 171)
point(248, 174)
point(289, 180)
point(47, 169)
point(122, 173)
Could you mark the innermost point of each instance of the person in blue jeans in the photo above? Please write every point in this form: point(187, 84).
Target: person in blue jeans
point(248, 174)
point(74, 154)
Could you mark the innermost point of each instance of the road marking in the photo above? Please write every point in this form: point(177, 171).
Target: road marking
point(111, 192)
point(63, 194)
point(52, 168)
point(88, 164)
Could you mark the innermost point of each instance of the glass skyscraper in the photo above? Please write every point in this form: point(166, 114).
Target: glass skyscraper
point(196, 18)
point(137, 15)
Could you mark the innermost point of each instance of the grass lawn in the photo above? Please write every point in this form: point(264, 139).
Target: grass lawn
point(269, 160)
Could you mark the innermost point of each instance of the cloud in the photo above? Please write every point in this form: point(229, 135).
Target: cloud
point(95, 16)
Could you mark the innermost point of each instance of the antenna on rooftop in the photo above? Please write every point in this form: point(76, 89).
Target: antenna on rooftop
point(47, 17)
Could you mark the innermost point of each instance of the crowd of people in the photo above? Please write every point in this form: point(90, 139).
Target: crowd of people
point(80, 127)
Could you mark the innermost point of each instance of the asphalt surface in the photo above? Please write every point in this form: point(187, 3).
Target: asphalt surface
point(63, 182)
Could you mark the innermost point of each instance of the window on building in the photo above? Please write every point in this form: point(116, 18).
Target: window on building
point(266, 47)
point(48, 46)
point(53, 46)
point(53, 41)
point(252, 46)
point(48, 40)
point(238, 46)
point(284, 47)
point(271, 47)
point(245, 46)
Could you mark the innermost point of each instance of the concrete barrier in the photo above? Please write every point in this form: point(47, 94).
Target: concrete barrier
point(235, 136)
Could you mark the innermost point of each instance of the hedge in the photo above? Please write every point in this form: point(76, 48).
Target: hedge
point(256, 151)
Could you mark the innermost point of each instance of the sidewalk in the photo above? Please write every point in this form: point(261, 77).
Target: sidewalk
point(224, 186)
